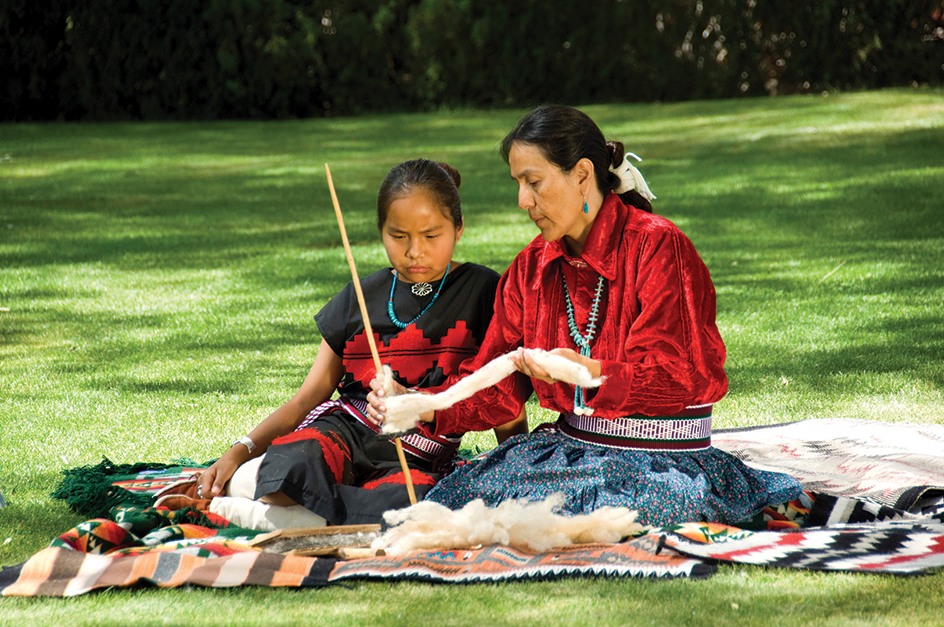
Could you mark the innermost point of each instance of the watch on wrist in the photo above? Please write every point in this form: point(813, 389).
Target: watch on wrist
point(247, 441)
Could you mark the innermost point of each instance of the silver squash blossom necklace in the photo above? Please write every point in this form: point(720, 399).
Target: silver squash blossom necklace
point(420, 289)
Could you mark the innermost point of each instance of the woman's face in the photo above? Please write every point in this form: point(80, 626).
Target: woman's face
point(553, 198)
point(420, 240)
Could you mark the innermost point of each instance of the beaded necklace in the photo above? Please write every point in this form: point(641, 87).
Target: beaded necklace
point(393, 286)
point(583, 341)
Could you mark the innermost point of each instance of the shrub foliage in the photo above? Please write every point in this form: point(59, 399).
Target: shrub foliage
point(156, 59)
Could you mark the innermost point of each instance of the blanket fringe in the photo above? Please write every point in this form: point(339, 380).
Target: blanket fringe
point(88, 490)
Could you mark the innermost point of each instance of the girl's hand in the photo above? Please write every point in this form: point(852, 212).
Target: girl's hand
point(526, 365)
point(376, 408)
point(213, 479)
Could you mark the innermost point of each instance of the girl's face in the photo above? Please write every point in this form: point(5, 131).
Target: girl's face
point(419, 238)
point(553, 198)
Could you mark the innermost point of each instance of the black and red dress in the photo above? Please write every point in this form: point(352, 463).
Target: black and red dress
point(335, 463)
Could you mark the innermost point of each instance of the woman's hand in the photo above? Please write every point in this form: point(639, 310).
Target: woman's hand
point(526, 365)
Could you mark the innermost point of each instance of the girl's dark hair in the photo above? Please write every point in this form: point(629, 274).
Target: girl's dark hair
point(439, 179)
point(565, 136)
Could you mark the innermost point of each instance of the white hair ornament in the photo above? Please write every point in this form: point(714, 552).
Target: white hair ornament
point(631, 178)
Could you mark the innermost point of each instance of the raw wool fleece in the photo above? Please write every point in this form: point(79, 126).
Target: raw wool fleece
point(403, 411)
point(430, 526)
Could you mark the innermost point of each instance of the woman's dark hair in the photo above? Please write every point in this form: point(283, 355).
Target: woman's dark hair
point(439, 179)
point(565, 136)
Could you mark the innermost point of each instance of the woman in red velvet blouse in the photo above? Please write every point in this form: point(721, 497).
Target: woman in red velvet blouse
point(624, 292)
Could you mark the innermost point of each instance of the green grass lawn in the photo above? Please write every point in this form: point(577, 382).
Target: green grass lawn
point(158, 282)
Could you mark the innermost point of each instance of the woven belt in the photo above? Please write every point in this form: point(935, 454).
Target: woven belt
point(689, 430)
point(414, 443)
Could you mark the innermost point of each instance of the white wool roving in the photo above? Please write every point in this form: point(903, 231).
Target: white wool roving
point(431, 526)
point(403, 411)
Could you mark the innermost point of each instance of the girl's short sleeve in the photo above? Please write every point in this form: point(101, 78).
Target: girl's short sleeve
point(335, 318)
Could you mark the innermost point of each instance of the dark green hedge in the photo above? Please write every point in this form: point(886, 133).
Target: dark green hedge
point(156, 59)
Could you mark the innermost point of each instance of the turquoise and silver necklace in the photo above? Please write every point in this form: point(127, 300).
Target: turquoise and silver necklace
point(420, 289)
point(583, 341)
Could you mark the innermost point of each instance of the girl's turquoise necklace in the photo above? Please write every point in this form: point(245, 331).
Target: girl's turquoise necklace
point(393, 286)
point(583, 341)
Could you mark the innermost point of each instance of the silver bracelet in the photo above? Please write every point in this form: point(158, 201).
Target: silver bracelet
point(247, 441)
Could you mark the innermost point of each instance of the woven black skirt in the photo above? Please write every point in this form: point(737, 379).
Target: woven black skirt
point(342, 471)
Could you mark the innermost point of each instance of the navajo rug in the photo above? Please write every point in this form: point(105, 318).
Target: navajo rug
point(890, 548)
point(895, 465)
point(637, 557)
point(874, 500)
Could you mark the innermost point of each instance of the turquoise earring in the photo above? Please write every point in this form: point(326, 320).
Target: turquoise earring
point(586, 209)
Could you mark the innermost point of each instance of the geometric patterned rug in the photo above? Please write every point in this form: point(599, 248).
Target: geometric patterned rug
point(889, 548)
point(878, 490)
point(893, 464)
point(637, 557)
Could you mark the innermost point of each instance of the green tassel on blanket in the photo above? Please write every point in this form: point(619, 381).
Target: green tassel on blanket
point(88, 490)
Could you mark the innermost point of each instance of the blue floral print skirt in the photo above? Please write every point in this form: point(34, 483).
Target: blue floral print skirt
point(666, 488)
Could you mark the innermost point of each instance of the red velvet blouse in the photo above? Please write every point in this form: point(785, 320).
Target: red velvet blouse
point(657, 340)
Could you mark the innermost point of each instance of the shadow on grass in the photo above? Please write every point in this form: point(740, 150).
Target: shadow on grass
point(226, 351)
point(170, 247)
point(864, 218)
point(908, 345)
point(31, 524)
